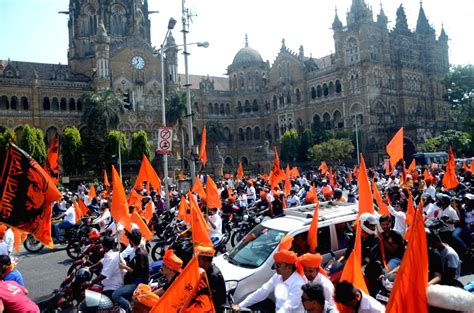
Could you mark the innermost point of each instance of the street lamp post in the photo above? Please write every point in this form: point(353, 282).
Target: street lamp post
point(171, 24)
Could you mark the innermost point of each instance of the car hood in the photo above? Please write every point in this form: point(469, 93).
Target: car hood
point(231, 271)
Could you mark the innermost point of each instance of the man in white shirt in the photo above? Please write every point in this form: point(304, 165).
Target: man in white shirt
point(448, 215)
point(285, 285)
point(355, 299)
point(292, 200)
point(312, 271)
point(400, 217)
point(215, 222)
point(251, 193)
point(69, 220)
point(9, 240)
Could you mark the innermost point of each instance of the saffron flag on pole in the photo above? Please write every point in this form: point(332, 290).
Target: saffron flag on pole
point(313, 230)
point(183, 210)
point(311, 196)
point(119, 207)
point(199, 189)
point(450, 181)
point(52, 164)
point(77, 211)
point(383, 208)
point(276, 174)
point(181, 290)
point(147, 175)
point(83, 207)
point(409, 291)
point(106, 179)
point(471, 166)
point(366, 202)
point(410, 216)
point(412, 166)
point(323, 168)
point(202, 150)
point(213, 200)
point(395, 147)
point(147, 213)
point(199, 228)
point(26, 195)
point(240, 171)
point(294, 172)
point(92, 194)
point(137, 219)
point(287, 181)
point(352, 271)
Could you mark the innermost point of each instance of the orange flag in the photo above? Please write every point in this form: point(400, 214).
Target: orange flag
point(352, 271)
point(285, 243)
point(332, 179)
point(311, 196)
point(181, 290)
point(409, 291)
point(83, 207)
point(450, 181)
point(323, 168)
point(412, 166)
point(410, 216)
point(92, 194)
point(388, 168)
point(395, 147)
point(26, 195)
point(135, 199)
point(147, 174)
point(349, 177)
point(147, 213)
point(464, 167)
point(426, 174)
point(18, 238)
point(106, 179)
point(313, 230)
point(202, 151)
point(240, 171)
point(287, 181)
point(471, 167)
point(200, 229)
point(137, 219)
point(183, 210)
point(383, 209)
point(52, 165)
point(294, 172)
point(199, 189)
point(77, 211)
point(119, 207)
point(366, 202)
point(212, 194)
point(276, 174)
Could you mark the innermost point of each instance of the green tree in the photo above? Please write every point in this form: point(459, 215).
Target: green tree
point(289, 142)
point(320, 134)
point(71, 151)
point(103, 109)
point(459, 83)
point(461, 142)
point(32, 141)
point(114, 137)
point(214, 131)
point(7, 136)
point(140, 146)
point(332, 151)
point(306, 142)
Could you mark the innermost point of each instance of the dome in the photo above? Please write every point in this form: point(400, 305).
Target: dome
point(247, 57)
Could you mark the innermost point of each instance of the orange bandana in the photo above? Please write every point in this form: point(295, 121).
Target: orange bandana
point(172, 261)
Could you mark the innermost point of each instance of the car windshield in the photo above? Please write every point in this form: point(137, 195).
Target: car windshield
point(256, 247)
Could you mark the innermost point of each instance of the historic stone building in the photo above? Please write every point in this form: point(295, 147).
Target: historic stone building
point(378, 77)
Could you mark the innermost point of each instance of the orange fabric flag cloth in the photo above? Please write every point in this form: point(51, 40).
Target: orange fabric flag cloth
point(78, 211)
point(383, 208)
point(409, 291)
point(137, 219)
point(200, 229)
point(311, 195)
point(313, 230)
point(147, 213)
point(92, 194)
point(212, 194)
point(199, 189)
point(412, 166)
point(366, 202)
point(471, 166)
point(294, 172)
point(202, 151)
point(276, 174)
point(410, 216)
point(52, 165)
point(450, 180)
point(323, 168)
point(106, 179)
point(181, 290)
point(147, 174)
point(183, 210)
point(287, 181)
point(119, 207)
point(83, 207)
point(395, 147)
point(240, 171)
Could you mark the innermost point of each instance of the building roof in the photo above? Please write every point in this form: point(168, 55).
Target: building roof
point(220, 83)
point(42, 71)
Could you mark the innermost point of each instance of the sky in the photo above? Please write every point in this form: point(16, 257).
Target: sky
point(32, 30)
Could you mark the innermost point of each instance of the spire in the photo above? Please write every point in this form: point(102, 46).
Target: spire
point(382, 19)
point(283, 45)
point(442, 35)
point(336, 24)
point(401, 24)
point(246, 40)
point(359, 12)
point(422, 24)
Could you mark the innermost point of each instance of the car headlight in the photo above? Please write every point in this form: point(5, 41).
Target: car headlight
point(231, 284)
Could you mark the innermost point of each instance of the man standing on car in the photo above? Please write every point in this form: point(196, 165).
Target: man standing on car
point(285, 284)
point(312, 271)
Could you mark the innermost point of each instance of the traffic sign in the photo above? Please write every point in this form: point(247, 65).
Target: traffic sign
point(165, 140)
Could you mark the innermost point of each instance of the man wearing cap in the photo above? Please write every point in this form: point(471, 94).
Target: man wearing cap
point(214, 277)
point(312, 265)
point(285, 284)
point(171, 268)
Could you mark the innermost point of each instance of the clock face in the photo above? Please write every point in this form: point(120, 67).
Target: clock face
point(138, 62)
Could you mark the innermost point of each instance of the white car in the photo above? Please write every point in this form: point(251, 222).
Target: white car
point(250, 264)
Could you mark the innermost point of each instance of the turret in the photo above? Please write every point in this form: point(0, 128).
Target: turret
point(401, 24)
point(336, 24)
point(359, 13)
point(382, 19)
point(422, 25)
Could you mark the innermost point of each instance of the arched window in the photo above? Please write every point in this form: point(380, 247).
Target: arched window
point(46, 104)
point(352, 51)
point(244, 161)
point(228, 161)
point(288, 97)
point(319, 91)
point(227, 108)
point(55, 104)
point(276, 131)
point(222, 111)
point(356, 113)
point(227, 134)
point(196, 107)
point(337, 118)
point(72, 104)
point(248, 134)
point(24, 104)
point(298, 95)
point(210, 109)
point(325, 90)
point(14, 103)
point(247, 107)
point(313, 93)
point(90, 20)
point(281, 100)
point(338, 86)
point(4, 103)
point(275, 103)
point(256, 133)
point(79, 105)
point(255, 105)
point(331, 88)
point(63, 104)
point(327, 121)
point(216, 108)
point(239, 107)
point(118, 20)
point(241, 134)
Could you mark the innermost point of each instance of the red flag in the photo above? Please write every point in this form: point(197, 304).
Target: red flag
point(450, 181)
point(199, 189)
point(240, 171)
point(92, 194)
point(119, 207)
point(313, 230)
point(323, 168)
point(412, 166)
point(26, 195)
point(395, 147)
point(52, 165)
point(106, 179)
point(352, 271)
point(366, 202)
point(212, 194)
point(202, 151)
point(409, 291)
point(147, 175)
point(383, 209)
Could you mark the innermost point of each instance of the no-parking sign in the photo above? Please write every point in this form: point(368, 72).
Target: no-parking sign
point(165, 139)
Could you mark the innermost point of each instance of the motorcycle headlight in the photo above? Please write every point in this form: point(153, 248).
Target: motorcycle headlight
point(231, 284)
point(246, 217)
point(257, 220)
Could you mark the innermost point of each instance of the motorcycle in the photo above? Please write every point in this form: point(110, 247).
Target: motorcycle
point(249, 221)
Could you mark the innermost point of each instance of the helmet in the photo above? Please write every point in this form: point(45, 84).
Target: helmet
point(94, 234)
point(83, 275)
point(368, 222)
point(337, 193)
point(443, 198)
point(95, 302)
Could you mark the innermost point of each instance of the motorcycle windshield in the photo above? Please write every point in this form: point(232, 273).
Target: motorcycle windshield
point(256, 247)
